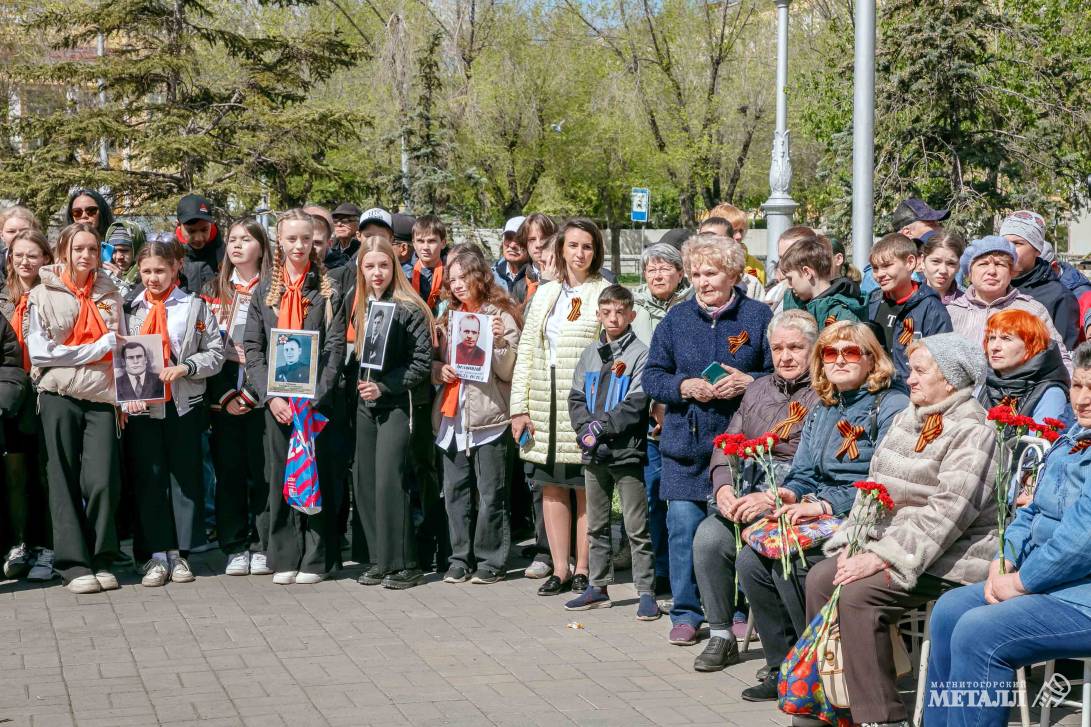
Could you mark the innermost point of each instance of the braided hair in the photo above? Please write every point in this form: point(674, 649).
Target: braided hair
point(276, 281)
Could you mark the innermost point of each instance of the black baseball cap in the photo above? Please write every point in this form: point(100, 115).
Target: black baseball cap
point(916, 210)
point(347, 209)
point(194, 207)
point(402, 226)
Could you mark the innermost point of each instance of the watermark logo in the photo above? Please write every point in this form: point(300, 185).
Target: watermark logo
point(1054, 692)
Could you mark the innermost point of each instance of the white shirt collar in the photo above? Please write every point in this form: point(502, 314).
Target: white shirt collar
point(176, 296)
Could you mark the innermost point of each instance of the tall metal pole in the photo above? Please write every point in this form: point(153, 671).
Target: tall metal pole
point(863, 134)
point(780, 206)
point(103, 147)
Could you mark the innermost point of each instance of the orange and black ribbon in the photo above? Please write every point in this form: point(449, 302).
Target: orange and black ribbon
point(1010, 401)
point(619, 368)
point(574, 313)
point(734, 343)
point(906, 336)
point(1081, 445)
point(933, 427)
point(796, 413)
point(830, 320)
point(849, 435)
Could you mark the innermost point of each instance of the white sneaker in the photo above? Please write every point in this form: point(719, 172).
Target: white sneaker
point(309, 578)
point(179, 570)
point(538, 569)
point(107, 580)
point(259, 566)
point(156, 573)
point(84, 584)
point(43, 567)
point(285, 578)
point(238, 564)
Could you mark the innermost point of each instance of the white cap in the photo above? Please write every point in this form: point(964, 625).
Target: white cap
point(377, 215)
point(512, 225)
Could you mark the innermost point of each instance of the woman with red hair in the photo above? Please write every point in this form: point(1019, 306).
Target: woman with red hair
point(1025, 367)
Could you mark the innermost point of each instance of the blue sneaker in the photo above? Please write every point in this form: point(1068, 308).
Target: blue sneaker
point(648, 608)
point(593, 597)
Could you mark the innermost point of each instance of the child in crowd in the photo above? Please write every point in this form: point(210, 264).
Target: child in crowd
point(429, 242)
point(807, 268)
point(298, 295)
point(473, 425)
point(609, 411)
point(902, 309)
point(126, 239)
point(238, 419)
point(397, 372)
point(941, 255)
point(163, 437)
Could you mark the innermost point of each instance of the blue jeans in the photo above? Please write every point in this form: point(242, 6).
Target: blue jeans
point(973, 641)
point(657, 511)
point(683, 517)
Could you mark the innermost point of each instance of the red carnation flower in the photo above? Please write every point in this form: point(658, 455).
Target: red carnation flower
point(1054, 423)
point(1001, 415)
point(1050, 435)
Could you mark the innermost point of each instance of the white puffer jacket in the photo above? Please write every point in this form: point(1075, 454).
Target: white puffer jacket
point(530, 390)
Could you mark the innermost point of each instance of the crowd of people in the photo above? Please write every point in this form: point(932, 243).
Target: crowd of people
point(465, 399)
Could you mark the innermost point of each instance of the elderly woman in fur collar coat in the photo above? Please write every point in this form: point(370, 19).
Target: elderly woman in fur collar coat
point(936, 462)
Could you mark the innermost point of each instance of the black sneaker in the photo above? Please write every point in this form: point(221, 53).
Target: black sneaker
point(553, 586)
point(719, 654)
point(484, 577)
point(766, 691)
point(580, 583)
point(372, 576)
point(403, 579)
point(456, 574)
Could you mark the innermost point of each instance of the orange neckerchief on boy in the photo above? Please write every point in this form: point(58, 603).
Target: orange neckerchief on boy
point(17, 323)
point(437, 283)
point(448, 403)
point(156, 323)
point(89, 326)
point(290, 315)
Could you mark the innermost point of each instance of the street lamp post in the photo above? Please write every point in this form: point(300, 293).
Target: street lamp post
point(780, 206)
point(863, 134)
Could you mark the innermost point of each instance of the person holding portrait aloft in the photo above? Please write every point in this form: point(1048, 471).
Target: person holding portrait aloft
point(162, 437)
point(297, 296)
point(75, 315)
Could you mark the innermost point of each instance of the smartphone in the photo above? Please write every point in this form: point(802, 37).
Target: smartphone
point(525, 439)
point(107, 252)
point(713, 373)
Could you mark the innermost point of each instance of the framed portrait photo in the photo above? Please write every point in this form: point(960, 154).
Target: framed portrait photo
point(293, 363)
point(138, 361)
point(380, 316)
point(236, 326)
point(471, 345)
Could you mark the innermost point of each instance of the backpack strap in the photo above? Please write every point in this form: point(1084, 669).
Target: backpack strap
point(873, 415)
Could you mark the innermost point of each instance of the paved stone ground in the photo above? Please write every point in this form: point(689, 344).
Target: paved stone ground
point(242, 651)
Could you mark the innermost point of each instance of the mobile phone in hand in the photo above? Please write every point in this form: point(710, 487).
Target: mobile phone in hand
point(713, 373)
point(525, 439)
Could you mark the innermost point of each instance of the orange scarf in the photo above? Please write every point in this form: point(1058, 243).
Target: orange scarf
point(156, 323)
point(89, 326)
point(17, 323)
point(437, 283)
point(933, 427)
point(290, 315)
point(448, 403)
point(532, 288)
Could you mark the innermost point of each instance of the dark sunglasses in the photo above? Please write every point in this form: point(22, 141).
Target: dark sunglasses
point(84, 212)
point(851, 354)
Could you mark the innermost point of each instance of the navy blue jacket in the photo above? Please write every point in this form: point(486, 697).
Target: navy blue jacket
point(685, 342)
point(927, 315)
point(1042, 284)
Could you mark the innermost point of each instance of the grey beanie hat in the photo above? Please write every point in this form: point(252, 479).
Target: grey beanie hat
point(1028, 225)
point(961, 360)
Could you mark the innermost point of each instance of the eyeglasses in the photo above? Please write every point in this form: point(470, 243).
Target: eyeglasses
point(344, 220)
point(851, 354)
point(84, 212)
point(649, 272)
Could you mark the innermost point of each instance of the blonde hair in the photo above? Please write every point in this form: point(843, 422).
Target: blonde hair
point(276, 282)
point(64, 243)
point(20, 212)
point(35, 236)
point(717, 251)
point(882, 369)
point(738, 219)
point(402, 290)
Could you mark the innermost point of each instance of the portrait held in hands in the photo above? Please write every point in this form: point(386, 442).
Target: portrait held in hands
point(294, 357)
point(380, 315)
point(471, 345)
point(138, 361)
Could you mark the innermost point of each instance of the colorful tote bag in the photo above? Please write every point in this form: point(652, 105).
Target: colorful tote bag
point(764, 535)
point(800, 687)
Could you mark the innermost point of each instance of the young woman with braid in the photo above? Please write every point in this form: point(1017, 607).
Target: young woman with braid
point(163, 437)
point(297, 295)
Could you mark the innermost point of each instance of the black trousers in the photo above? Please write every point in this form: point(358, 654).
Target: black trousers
point(242, 492)
point(381, 486)
point(298, 542)
point(475, 491)
point(430, 515)
point(25, 500)
point(168, 480)
point(83, 468)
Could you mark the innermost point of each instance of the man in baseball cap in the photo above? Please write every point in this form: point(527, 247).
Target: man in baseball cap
point(402, 227)
point(346, 222)
point(1033, 276)
point(916, 220)
point(201, 239)
point(514, 258)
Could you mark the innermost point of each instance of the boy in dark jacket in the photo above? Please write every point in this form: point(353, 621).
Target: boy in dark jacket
point(807, 267)
point(902, 309)
point(609, 412)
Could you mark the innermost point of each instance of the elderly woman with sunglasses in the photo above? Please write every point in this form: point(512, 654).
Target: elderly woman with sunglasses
point(852, 375)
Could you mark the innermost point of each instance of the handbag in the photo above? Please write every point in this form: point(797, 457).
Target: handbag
point(764, 535)
point(800, 689)
point(831, 667)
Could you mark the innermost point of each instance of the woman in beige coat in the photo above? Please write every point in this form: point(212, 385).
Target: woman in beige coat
point(561, 322)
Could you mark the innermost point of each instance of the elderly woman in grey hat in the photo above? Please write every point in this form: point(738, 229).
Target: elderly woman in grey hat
point(936, 463)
